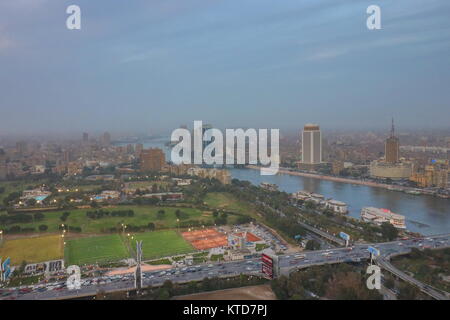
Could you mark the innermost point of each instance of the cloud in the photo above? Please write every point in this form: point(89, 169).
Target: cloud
point(327, 54)
point(6, 43)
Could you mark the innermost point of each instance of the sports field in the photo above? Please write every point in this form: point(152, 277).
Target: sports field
point(37, 249)
point(95, 250)
point(205, 238)
point(161, 243)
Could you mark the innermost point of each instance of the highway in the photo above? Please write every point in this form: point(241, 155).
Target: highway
point(385, 264)
point(288, 263)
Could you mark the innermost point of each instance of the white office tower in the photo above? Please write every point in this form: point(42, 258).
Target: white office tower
point(311, 144)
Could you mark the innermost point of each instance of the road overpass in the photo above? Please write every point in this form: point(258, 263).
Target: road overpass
point(252, 267)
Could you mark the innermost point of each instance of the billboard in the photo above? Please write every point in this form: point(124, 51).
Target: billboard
point(374, 251)
point(344, 236)
point(269, 265)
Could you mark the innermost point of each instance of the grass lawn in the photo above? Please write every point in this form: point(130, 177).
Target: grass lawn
point(142, 216)
point(162, 243)
point(226, 201)
point(95, 249)
point(37, 249)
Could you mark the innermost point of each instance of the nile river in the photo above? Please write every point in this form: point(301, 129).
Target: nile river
point(425, 214)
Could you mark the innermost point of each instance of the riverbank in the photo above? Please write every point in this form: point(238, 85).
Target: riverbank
point(389, 187)
point(424, 214)
point(329, 178)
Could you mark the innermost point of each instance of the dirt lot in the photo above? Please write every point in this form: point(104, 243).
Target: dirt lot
point(262, 292)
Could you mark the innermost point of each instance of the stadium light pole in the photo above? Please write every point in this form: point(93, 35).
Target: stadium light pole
point(62, 241)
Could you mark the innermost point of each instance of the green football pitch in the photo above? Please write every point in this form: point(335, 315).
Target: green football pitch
point(95, 250)
point(161, 243)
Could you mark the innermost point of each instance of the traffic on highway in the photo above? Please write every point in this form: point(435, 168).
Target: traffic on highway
point(250, 267)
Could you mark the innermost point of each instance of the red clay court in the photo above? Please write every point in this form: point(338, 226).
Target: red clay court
point(205, 239)
point(211, 238)
point(250, 237)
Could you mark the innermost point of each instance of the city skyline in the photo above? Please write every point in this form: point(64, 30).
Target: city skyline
point(258, 64)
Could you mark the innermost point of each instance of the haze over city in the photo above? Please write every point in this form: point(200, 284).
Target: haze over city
point(150, 66)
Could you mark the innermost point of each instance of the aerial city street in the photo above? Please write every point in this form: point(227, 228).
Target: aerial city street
point(224, 150)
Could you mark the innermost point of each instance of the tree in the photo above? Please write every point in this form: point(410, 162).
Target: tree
point(161, 213)
point(94, 204)
point(389, 282)
point(312, 245)
point(408, 292)
point(151, 226)
point(162, 294)
point(64, 216)
point(31, 202)
point(38, 216)
point(349, 286)
point(388, 231)
point(310, 205)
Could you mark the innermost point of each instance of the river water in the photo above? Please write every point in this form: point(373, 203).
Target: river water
point(424, 214)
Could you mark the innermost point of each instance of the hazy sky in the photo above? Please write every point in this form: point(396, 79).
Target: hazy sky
point(152, 65)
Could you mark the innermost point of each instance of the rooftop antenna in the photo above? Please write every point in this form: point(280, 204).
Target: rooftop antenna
point(392, 128)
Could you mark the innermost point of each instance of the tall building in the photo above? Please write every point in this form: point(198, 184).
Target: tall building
point(138, 149)
point(85, 137)
point(391, 167)
point(311, 144)
point(106, 139)
point(392, 147)
point(3, 169)
point(21, 147)
point(152, 159)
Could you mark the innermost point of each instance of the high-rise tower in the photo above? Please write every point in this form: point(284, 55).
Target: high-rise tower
point(392, 147)
point(311, 144)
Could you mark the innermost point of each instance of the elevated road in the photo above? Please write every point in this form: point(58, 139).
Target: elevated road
point(434, 293)
point(252, 267)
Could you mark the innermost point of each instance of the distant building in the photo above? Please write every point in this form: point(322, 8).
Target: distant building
point(222, 175)
point(392, 147)
point(85, 137)
point(106, 140)
point(311, 144)
point(3, 168)
point(337, 167)
point(433, 175)
point(395, 171)
point(152, 159)
point(21, 147)
point(336, 206)
point(138, 149)
point(74, 168)
point(391, 167)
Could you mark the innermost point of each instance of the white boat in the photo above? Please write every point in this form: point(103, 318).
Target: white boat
point(378, 216)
